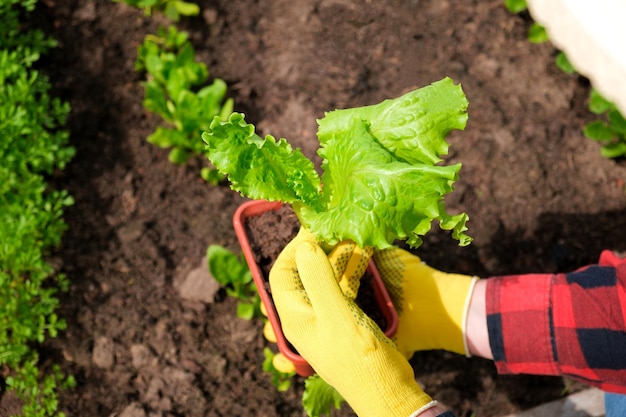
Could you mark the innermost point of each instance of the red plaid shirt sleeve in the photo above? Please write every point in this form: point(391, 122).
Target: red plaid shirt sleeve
point(571, 324)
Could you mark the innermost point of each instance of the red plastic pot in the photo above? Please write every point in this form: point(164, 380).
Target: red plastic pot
point(257, 208)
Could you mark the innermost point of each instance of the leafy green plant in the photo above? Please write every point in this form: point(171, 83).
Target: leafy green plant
point(31, 225)
point(537, 33)
point(381, 175)
point(563, 63)
point(172, 9)
point(611, 131)
point(177, 90)
point(381, 178)
point(232, 273)
point(515, 6)
point(281, 380)
point(319, 398)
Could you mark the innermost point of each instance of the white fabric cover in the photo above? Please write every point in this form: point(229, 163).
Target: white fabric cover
point(593, 35)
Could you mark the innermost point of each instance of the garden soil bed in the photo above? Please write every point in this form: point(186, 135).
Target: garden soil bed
point(539, 195)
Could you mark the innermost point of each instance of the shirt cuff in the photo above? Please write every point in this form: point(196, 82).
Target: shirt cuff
point(519, 324)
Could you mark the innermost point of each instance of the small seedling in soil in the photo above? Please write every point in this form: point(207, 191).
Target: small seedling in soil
point(233, 274)
point(515, 6)
point(281, 380)
point(172, 9)
point(611, 132)
point(177, 90)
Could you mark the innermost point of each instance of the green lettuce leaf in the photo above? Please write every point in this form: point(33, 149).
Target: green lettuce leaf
point(373, 198)
point(381, 178)
point(263, 169)
point(413, 127)
point(319, 398)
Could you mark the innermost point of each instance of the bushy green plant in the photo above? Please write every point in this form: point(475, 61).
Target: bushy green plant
point(31, 222)
point(177, 90)
point(172, 9)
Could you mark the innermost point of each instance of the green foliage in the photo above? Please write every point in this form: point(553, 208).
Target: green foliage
point(233, 274)
point(318, 397)
point(379, 162)
point(515, 6)
point(281, 380)
point(172, 9)
point(537, 33)
point(563, 63)
point(177, 90)
point(611, 130)
point(33, 146)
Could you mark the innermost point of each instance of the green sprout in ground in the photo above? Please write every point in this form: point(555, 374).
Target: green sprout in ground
point(177, 89)
point(171, 9)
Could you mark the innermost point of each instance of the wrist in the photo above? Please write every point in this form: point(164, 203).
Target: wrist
point(426, 410)
point(433, 411)
point(476, 332)
point(450, 325)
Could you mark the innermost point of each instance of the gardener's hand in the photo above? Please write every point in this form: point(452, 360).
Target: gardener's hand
point(431, 305)
point(342, 344)
point(348, 261)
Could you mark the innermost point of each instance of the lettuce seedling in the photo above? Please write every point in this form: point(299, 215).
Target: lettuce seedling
point(232, 273)
point(281, 380)
point(319, 397)
point(171, 9)
point(176, 89)
point(381, 179)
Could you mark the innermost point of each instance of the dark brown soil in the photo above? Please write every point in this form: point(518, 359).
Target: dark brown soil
point(539, 195)
point(269, 233)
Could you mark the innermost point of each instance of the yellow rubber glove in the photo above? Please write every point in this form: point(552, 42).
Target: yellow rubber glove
point(342, 344)
point(431, 305)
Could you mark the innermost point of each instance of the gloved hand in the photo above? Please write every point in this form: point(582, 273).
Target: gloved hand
point(342, 344)
point(349, 263)
point(431, 305)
